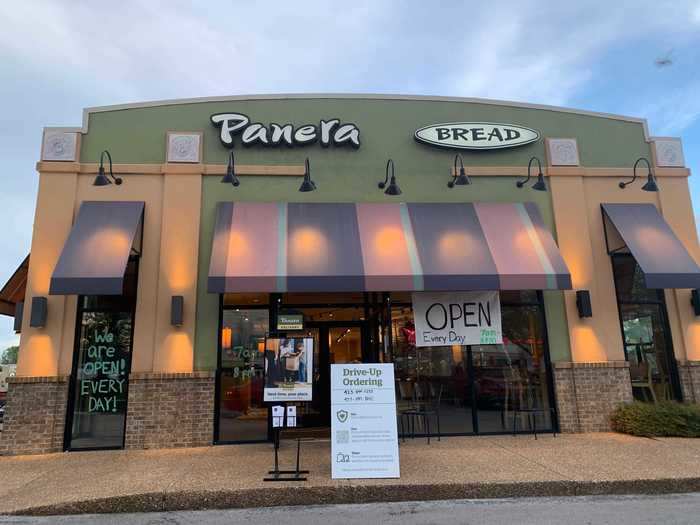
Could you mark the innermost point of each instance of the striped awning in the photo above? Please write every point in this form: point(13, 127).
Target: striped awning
point(311, 247)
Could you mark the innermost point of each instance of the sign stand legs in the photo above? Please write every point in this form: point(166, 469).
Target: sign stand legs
point(285, 475)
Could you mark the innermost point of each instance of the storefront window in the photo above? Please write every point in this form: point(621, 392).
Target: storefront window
point(101, 368)
point(645, 334)
point(242, 415)
point(494, 386)
point(511, 378)
point(434, 376)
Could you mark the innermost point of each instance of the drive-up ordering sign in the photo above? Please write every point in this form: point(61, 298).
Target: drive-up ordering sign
point(364, 438)
point(457, 318)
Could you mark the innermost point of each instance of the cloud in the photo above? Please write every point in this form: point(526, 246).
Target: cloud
point(674, 110)
point(57, 57)
point(526, 50)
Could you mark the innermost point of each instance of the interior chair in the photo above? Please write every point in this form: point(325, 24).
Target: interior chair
point(640, 375)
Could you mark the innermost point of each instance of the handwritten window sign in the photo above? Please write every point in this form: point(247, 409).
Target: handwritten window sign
point(102, 378)
point(457, 318)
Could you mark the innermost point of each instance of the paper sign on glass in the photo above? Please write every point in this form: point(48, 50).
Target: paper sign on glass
point(457, 318)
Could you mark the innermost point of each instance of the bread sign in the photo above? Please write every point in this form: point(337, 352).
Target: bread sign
point(476, 135)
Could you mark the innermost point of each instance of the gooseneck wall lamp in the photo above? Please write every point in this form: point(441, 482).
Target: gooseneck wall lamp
point(540, 184)
point(651, 181)
point(307, 184)
point(230, 177)
point(102, 179)
point(392, 188)
point(462, 179)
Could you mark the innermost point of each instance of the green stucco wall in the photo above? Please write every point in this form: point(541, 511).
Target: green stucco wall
point(342, 174)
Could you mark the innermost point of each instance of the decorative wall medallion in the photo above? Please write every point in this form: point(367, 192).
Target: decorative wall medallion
point(562, 152)
point(184, 147)
point(59, 146)
point(669, 153)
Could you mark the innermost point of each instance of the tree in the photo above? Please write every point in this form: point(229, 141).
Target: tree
point(9, 356)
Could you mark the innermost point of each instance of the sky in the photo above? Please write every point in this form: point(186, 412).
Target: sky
point(58, 57)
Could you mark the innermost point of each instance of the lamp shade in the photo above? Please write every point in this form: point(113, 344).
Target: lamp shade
point(583, 303)
point(392, 188)
point(650, 184)
point(540, 184)
point(37, 318)
point(101, 179)
point(177, 303)
point(19, 313)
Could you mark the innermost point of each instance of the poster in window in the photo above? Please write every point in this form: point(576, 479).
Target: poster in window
point(288, 368)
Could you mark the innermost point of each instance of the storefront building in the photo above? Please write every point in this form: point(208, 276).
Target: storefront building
point(148, 294)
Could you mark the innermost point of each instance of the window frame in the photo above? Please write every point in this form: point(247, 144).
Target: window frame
point(471, 376)
point(672, 363)
point(70, 405)
point(219, 370)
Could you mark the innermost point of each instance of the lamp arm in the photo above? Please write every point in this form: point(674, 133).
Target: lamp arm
point(382, 185)
point(117, 180)
point(451, 183)
point(522, 183)
point(623, 185)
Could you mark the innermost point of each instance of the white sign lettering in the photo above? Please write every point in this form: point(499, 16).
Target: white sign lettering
point(457, 318)
point(328, 132)
point(476, 135)
point(364, 437)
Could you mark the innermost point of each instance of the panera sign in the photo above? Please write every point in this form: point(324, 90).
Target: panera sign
point(476, 135)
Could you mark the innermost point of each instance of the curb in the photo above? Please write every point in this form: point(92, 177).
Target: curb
point(290, 496)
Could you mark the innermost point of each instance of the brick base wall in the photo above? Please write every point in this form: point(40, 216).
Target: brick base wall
point(587, 393)
point(689, 373)
point(35, 415)
point(170, 410)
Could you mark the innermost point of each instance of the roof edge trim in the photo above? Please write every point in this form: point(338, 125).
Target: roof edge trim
point(372, 96)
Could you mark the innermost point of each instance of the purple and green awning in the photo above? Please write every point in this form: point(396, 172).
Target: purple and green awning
point(336, 247)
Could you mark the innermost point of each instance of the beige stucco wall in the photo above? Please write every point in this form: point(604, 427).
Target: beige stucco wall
point(179, 252)
point(40, 348)
point(677, 209)
point(577, 196)
point(167, 267)
point(170, 256)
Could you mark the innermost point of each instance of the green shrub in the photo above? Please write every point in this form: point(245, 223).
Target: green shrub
point(657, 420)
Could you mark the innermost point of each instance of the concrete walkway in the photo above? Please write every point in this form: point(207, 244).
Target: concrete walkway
point(231, 476)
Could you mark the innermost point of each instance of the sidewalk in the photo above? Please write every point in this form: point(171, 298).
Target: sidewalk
point(456, 467)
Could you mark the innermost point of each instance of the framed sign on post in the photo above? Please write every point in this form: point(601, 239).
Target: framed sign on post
point(457, 318)
point(364, 437)
point(288, 369)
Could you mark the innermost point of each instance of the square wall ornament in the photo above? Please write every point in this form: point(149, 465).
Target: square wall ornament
point(668, 152)
point(59, 145)
point(184, 146)
point(562, 152)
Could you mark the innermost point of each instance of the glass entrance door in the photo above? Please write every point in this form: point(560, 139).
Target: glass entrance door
point(334, 343)
point(645, 333)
